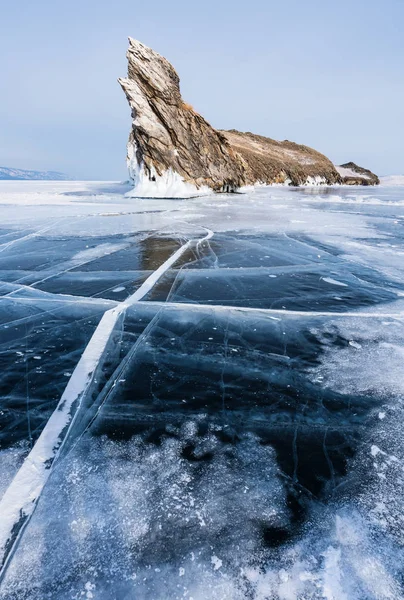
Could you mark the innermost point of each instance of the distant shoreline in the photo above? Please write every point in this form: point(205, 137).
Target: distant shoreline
point(11, 174)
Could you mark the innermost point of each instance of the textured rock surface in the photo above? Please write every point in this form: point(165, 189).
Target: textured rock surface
point(352, 174)
point(269, 161)
point(171, 145)
point(167, 133)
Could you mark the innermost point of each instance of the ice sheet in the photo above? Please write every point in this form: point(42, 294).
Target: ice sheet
point(238, 433)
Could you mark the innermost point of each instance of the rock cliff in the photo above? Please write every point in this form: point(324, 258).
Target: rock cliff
point(174, 151)
point(169, 140)
point(268, 161)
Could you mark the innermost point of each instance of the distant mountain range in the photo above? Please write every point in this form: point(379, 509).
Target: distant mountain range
point(22, 174)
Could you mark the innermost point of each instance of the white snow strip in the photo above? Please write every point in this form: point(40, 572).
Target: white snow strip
point(19, 501)
point(310, 181)
point(276, 311)
point(42, 296)
point(334, 281)
point(155, 276)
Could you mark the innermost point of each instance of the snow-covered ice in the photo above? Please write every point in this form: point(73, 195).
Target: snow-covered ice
point(201, 398)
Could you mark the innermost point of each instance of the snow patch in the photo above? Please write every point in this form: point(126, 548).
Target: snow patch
point(355, 344)
point(168, 185)
point(317, 180)
point(334, 281)
point(216, 562)
point(344, 172)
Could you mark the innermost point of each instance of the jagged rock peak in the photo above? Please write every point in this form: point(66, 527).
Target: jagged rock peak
point(174, 151)
point(170, 144)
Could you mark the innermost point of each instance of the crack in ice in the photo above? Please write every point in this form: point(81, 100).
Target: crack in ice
point(19, 500)
point(279, 311)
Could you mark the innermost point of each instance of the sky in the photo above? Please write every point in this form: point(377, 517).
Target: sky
point(326, 74)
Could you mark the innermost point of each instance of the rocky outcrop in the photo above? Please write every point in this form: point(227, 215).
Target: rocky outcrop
point(269, 161)
point(174, 151)
point(351, 174)
point(169, 142)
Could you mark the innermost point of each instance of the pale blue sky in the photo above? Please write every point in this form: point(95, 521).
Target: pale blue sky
point(326, 74)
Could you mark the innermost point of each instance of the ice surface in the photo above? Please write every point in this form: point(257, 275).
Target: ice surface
point(228, 377)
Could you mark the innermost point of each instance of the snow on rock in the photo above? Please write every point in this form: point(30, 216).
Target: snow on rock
point(316, 180)
point(348, 172)
point(168, 185)
point(352, 174)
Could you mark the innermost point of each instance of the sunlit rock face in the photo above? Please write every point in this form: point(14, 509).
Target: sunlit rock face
point(173, 151)
point(352, 174)
point(169, 141)
point(269, 161)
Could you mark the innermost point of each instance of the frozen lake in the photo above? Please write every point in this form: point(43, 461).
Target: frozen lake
point(201, 399)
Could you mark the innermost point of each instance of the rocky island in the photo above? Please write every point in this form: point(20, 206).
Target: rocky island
point(353, 175)
point(173, 151)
